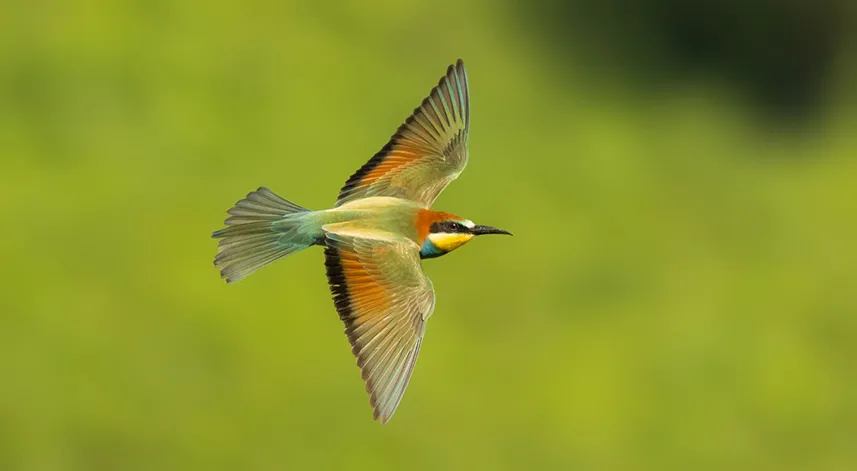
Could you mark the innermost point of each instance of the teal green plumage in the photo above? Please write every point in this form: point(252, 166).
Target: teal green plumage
point(265, 227)
point(262, 229)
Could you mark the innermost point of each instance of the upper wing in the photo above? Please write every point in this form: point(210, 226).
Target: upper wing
point(427, 152)
point(384, 298)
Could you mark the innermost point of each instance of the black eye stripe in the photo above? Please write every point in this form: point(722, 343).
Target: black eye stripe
point(448, 226)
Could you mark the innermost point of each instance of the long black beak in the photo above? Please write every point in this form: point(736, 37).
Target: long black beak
point(480, 230)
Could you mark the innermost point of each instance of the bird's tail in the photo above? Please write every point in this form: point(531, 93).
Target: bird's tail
point(262, 228)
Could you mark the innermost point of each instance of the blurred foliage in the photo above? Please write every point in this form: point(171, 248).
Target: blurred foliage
point(779, 54)
point(680, 292)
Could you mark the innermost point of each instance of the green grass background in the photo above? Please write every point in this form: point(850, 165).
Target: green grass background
point(680, 292)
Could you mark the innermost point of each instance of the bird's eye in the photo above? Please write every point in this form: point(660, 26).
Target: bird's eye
point(450, 227)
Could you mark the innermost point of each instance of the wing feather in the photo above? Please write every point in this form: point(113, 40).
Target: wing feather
point(384, 299)
point(426, 153)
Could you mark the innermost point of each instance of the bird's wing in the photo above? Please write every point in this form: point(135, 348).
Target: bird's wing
point(384, 298)
point(426, 153)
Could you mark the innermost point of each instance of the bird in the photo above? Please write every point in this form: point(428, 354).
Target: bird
point(374, 237)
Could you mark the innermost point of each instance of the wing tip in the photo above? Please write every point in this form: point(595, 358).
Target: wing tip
point(456, 69)
point(382, 420)
point(379, 414)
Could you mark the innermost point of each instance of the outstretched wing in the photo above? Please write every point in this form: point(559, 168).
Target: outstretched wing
point(384, 298)
point(427, 152)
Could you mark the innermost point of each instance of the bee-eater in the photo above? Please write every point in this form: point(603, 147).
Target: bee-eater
point(375, 237)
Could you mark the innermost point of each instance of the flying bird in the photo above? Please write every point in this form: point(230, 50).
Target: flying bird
point(374, 238)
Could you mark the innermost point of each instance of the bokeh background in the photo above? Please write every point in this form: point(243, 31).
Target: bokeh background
point(681, 178)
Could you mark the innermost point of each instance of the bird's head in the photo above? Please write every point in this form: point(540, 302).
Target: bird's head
point(450, 233)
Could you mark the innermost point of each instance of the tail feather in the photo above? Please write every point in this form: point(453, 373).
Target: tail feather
point(262, 228)
point(265, 200)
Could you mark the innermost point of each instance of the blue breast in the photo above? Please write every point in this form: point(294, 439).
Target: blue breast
point(429, 250)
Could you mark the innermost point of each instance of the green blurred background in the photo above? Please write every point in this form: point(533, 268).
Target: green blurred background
point(680, 292)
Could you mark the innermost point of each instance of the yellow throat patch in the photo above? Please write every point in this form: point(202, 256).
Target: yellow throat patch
point(449, 242)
